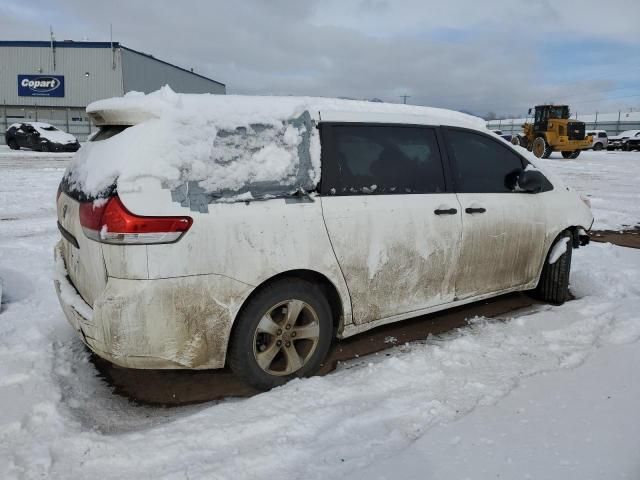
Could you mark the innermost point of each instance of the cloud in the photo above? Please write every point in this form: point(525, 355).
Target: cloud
point(463, 55)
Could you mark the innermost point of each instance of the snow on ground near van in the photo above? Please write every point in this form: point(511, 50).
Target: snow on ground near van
point(611, 181)
point(550, 393)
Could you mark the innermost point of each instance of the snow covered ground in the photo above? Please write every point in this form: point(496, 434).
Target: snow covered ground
point(549, 393)
point(611, 181)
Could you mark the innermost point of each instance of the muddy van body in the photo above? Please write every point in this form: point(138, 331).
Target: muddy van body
point(270, 226)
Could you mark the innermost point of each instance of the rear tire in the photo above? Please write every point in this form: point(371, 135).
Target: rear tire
point(283, 332)
point(553, 286)
point(571, 154)
point(13, 145)
point(597, 147)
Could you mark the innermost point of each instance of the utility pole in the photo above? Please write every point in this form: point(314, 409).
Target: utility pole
point(404, 98)
point(53, 48)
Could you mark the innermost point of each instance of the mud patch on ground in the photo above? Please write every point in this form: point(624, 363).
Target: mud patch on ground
point(624, 238)
point(184, 387)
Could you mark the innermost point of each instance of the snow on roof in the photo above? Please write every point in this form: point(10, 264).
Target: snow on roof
point(233, 110)
point(228, 146)
point(51, 133)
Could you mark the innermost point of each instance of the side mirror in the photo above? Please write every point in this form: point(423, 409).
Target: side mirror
point(530, 181)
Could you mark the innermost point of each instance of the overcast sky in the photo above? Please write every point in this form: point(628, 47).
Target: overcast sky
point(480, 56)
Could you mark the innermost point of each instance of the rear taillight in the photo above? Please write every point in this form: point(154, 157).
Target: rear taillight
point(108, 221)
point(59, 192)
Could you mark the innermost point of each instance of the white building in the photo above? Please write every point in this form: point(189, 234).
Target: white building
point(55, 81)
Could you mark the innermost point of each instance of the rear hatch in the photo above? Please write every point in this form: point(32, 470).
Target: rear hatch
point(82, 256)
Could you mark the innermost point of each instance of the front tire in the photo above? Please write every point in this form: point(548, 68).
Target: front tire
point(553, 286)
point(541, 148)
point(13, 145)
point(597, 147)
point(283, 332)
point(44, 147)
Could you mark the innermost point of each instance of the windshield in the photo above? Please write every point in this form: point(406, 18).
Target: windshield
point(49, 128)
point(559, 112)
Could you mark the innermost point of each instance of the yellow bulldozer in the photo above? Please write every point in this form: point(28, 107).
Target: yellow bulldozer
point(553, 131)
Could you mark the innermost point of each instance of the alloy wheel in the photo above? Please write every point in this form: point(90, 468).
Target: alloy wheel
point(286, 337)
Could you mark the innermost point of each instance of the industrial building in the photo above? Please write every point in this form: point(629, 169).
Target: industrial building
point(54, 81)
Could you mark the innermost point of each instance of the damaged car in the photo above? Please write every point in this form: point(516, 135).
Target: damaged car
point(262, 228)
point(40, 136)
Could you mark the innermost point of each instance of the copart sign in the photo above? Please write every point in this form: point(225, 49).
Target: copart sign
point(41, 85)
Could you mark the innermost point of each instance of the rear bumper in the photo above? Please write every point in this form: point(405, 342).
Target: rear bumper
point(174, 323)
point(66, 147)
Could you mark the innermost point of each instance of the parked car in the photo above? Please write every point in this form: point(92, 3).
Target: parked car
point(40, 136)
point(507, 137)
point(265, 227)
point(627, 140)
point(600, 139)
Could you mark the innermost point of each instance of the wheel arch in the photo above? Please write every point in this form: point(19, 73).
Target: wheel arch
point(576, 242)
point(574, 230)
point(329, 289)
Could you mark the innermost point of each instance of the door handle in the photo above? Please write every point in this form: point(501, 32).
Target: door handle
point(445, 211)
point(475, 210)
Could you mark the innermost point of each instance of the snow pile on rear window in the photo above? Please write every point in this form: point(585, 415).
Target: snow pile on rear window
point(229, 147)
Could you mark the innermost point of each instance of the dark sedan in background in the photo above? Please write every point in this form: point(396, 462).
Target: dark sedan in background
point(40, 136)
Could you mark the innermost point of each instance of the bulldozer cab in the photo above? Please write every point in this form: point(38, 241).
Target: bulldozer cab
point(544, 113)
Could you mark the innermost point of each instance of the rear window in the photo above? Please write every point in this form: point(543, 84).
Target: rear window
point(108, 132)
point(215, 163)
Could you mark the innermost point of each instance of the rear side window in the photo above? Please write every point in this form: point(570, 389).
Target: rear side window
point(381, 159)
point(482, 165)
point(602, 135)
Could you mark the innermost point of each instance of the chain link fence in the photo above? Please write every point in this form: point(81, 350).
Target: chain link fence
point(612, 123)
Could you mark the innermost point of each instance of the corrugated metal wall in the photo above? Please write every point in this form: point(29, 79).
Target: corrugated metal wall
point(74, 63)
point(143, 73)
point(91, 71)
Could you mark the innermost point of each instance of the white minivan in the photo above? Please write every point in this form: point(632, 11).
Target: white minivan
point(600, 140)
point(200, 231)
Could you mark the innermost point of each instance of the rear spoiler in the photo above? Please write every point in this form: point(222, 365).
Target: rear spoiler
point(119, 117)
